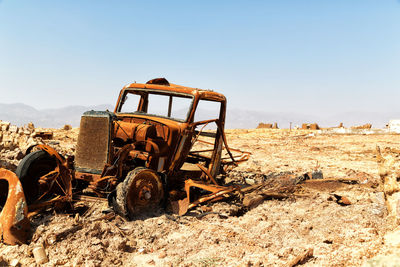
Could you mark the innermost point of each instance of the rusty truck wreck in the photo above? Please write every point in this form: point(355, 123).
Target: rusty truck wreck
point(140, 156)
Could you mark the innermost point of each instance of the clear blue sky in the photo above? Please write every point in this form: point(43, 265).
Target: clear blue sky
point(301, 55)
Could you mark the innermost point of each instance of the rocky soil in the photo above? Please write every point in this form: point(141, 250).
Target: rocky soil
point(226, 234)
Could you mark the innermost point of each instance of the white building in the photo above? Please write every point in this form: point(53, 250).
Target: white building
point(394, 126)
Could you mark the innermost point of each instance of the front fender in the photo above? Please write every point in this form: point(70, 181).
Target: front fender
point(14, 222)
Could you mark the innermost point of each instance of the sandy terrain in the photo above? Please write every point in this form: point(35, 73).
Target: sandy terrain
point(226, 234)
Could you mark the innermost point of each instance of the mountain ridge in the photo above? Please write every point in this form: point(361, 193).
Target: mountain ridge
point(21, 114)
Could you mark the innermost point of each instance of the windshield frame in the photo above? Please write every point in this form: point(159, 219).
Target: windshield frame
point(142, 91)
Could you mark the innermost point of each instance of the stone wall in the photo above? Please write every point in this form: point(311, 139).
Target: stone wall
point(14, 141)
point(262, 125)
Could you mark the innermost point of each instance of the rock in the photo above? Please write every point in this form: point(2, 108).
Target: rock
point(40, 255)
point(31, 126)
point(14, 262)
point(317, 174)
point(132, 243)
point(151, 262)
point(54, 143)
point(76, 218)
point(162, 255)
point(393, 239)
point(7, 138)
point(123, 245)
point(13, 129)
point(392, 260)
point(67, 127)
point(341, 200)
point(61, 262)
point(10, 155)
point(378, 206)
point(96, 241)
point(3, 262)
point(205, 209)
point(18, 155)
point(250, 181)
point(4, 125)
point(345, 201)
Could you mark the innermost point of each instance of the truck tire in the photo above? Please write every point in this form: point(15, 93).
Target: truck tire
point(30, 169)
point(141, 193)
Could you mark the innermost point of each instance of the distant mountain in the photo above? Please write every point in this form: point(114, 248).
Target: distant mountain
point(21, 114)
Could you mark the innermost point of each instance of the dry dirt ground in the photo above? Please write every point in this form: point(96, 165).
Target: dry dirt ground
point(271, 234)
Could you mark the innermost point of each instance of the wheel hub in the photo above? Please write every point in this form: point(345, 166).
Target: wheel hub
point(144, 191)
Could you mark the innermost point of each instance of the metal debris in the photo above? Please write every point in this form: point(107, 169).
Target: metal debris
point(14, 223)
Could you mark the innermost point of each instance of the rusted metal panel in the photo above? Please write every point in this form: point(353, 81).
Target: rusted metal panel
point(134, 131)
point(160, 81)
point(14, 222)
point(62, 173)
point(174, 88)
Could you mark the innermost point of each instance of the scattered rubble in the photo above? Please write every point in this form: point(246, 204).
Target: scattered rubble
point(14, 141)
point(305, 228)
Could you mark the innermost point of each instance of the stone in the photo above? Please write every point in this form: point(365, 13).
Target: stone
point(391, 260)
point(151, 262)
point(317, 174)
point(378, 206)
point(14, 262)
point(393, 238)
point(67, 127)
point(345, 201)
point(5, 125)
point(13, 129)
point(40, 255)
point(250, 181)
point(162, 255)
point(3, 262)
point(19, 155)
point(31, 126)
point(7, 138)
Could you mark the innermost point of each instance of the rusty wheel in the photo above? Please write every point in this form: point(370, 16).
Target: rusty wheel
point(30, 169)
point(140, 193)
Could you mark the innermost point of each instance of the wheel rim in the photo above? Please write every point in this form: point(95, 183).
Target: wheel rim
point(144, 193)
